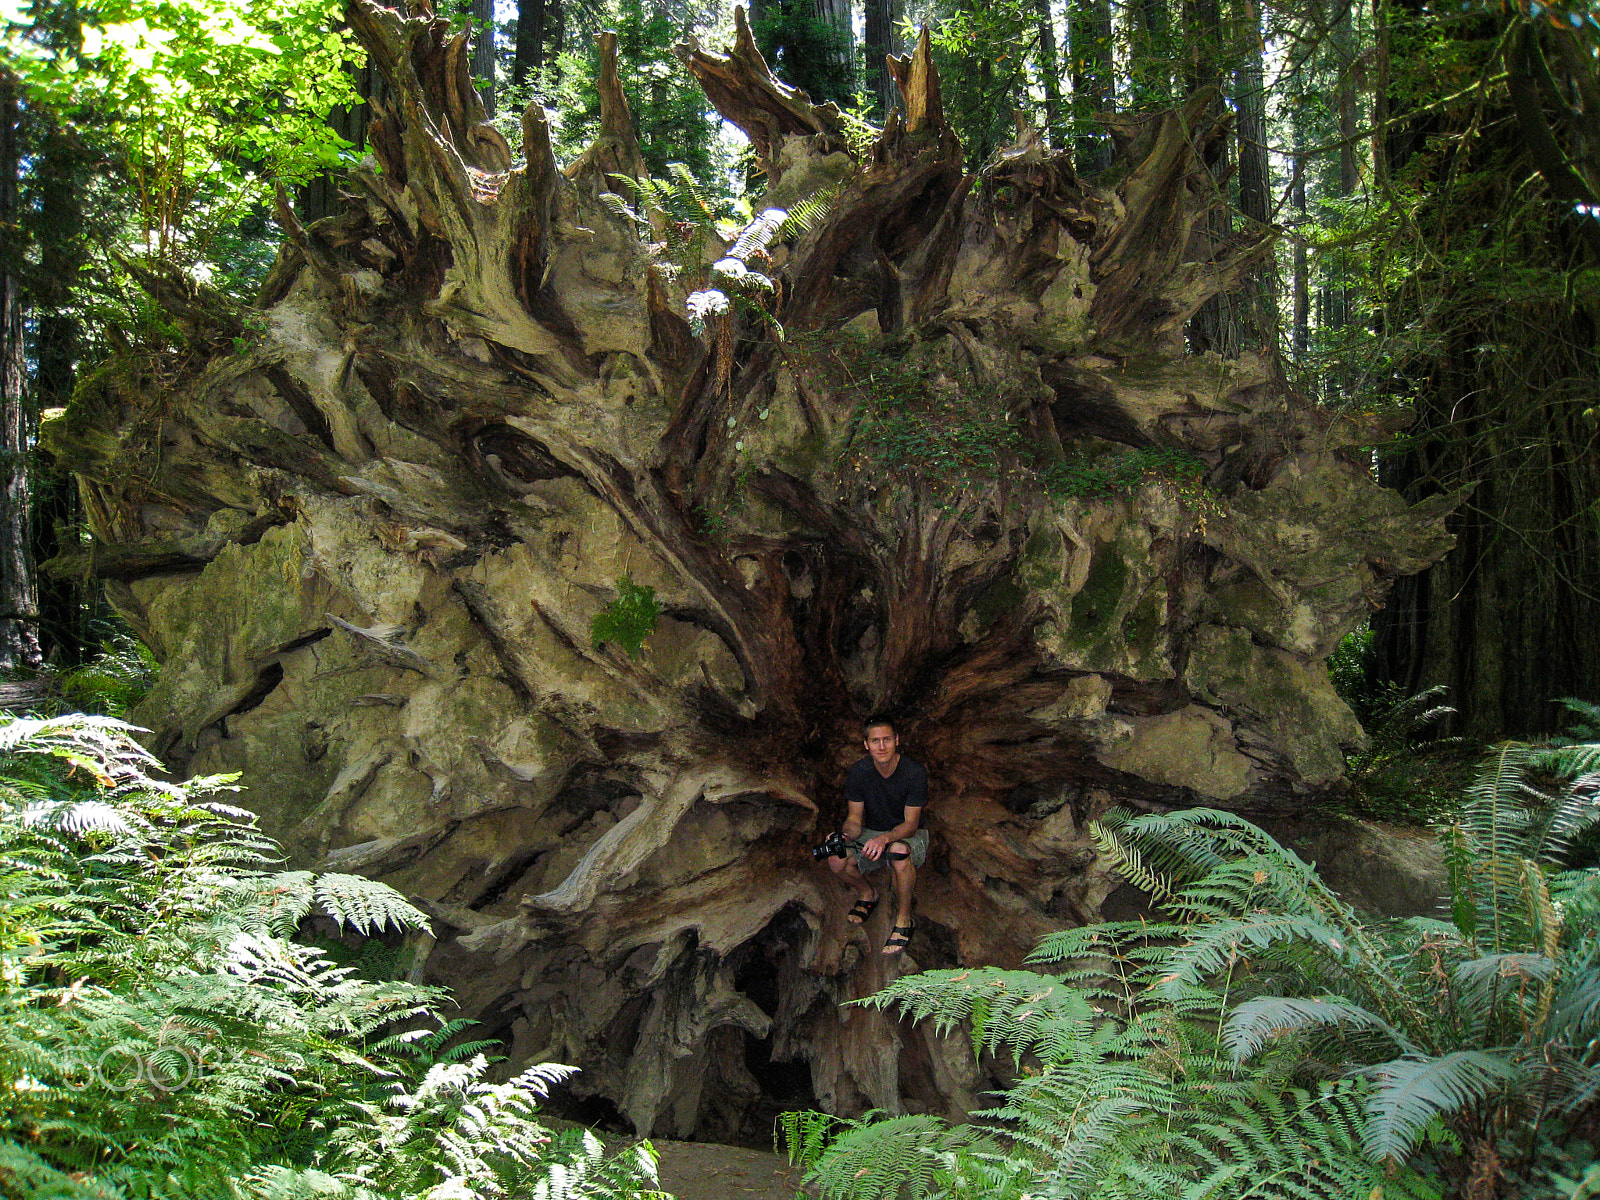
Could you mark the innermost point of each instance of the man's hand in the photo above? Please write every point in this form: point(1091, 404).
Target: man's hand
point(873, 848)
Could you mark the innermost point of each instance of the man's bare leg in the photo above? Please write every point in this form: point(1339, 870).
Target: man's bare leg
point(845, 870)
point(905, 882)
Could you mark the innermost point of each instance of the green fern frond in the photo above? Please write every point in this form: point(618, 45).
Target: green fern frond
point(805, 215)
point(1017, 1011)
point(1575, 1016)
point(1574, 817)
point(1101, 942)
point(1411, 1093)
point(1587, 727)
point(1252, 1024)
point(1215, 947)
point(803, 1135)
point(1581, 758)
point(24, 1173)
point(1491, 980)
point(883, 1160)
point(365, 904)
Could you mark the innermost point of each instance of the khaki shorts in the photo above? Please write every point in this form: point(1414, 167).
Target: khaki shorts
point(917, 843)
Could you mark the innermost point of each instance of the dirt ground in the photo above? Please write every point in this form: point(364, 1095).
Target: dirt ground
point(708, 1171)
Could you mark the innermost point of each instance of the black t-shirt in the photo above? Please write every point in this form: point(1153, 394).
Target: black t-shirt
point(885, 800)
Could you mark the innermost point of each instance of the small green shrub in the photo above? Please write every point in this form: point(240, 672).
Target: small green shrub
point(1094, 477)
point(1407, 775)
point(629, 620)
point(110, 684)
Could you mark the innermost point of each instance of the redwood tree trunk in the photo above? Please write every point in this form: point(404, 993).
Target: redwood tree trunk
point(528, 51)
point(1089, 41)
point(930, 470)
point(881, 17)
point(19, 607)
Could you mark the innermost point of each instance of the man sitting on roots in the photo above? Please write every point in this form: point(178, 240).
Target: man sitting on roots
point(884, 794)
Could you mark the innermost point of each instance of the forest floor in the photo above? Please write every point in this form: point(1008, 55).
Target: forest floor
point(709, 1171)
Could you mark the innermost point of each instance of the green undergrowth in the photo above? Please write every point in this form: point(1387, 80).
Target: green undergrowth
point(169, 1032)
point(1091, 477)
point(1409, 773)
point(1256, 1037)
point(113, 681)
point(914, 423)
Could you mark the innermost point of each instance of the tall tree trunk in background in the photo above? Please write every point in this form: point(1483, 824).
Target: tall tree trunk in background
point(1383, 81)
point(1216, 327)
point(1151, 57)
point(483, 56)
point(1049, 69)
point(1300, 337)
point(1089, 40)
point(1255, 181)
point(1503, 384)
point(59, 177)
point(528, 50)
point(320, 196)
point(834, 15)
point(880, 40)
point(1338, 289)
point(19, 607)
point(555, 37)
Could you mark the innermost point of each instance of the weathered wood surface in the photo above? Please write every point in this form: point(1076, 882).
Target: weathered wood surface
point(366, 531)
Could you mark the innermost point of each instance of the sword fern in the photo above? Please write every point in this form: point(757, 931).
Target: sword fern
point(163, 1034)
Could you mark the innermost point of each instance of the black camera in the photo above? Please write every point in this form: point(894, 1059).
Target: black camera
point(836, 845)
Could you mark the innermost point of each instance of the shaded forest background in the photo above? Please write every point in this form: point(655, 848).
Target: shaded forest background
point(1434, 172)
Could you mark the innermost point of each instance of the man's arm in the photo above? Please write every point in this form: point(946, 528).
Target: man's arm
point(873, 847)
point(854, 813)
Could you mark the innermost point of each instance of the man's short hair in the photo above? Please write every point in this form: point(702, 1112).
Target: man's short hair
point(872, 723)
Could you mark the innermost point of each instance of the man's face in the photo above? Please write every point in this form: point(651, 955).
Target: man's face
point(882, 743)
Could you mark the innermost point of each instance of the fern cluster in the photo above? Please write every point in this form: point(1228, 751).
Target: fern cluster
point(1267, 1040)
point(629, 620)
point(163, 1034)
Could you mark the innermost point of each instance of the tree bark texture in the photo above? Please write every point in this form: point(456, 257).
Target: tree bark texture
point(879, 42)
point(370, 549)
point(528, 49)
point(60, 171)
point(1504, 392)
point(1255, 177)
point(1089, 42)
point(19, 606)
point(319, 197)
point(483, 27)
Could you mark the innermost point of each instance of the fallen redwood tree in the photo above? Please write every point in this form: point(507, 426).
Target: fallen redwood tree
point(548, 580)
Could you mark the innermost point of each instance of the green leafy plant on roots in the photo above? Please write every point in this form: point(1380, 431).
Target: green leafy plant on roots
point(629, 620)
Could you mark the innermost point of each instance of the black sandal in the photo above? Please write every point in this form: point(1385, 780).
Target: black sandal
point(862, 910)
point(899, 939)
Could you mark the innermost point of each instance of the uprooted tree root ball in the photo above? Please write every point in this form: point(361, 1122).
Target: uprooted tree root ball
point(925, 440)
